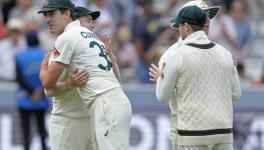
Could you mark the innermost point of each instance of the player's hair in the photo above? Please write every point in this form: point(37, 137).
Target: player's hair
point(195, 27)
point(63, 10)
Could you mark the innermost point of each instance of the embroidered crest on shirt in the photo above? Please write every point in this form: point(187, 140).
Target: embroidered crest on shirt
point(55, 52)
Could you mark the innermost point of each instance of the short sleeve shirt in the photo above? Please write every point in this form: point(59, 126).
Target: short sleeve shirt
point(80, 48)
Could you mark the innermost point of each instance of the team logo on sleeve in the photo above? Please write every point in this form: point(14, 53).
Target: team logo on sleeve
point(46, 2)
point(55, 52)
point(203, 5)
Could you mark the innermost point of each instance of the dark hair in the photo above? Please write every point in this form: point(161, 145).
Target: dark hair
point(32, 38)
point(63, 10)
point(240, 66)
point(195, 28)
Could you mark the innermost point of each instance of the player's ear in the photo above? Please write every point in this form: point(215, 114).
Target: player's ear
point(67, 13)
point(186, 25)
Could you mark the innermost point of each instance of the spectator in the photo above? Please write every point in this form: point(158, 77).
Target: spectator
point(6, 6)
point(167, 37)
point(9, 46)
point(223, 29)
point(33, 102)
point(22, 8)
point(34, 22)
point(245, 81)
point(146, 30)
point(243, 27)
point(105, 24)
point(126, 54)
point(2, 27)
point(123, 11)
point(260, 81)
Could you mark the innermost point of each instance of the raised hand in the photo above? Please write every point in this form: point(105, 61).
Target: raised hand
point(108, 44)
point(155, 72)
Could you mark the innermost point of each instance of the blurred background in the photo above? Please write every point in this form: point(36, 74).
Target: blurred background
point(140, 34)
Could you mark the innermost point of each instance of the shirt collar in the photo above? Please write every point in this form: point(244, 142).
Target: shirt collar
point(72, 24)
point(198, 37)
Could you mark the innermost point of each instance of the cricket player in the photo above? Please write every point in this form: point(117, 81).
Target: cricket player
point(200, 77)
point(78, 47)
point(87, 19)
point(69, 126)
point(211, 12)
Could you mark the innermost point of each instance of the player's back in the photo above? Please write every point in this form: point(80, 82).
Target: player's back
point(205, 85)
point(90, 53)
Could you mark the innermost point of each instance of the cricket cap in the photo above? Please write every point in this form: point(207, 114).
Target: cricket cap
point(82, 11)
point(192, 15)
point(201, 4)
point(51, 5)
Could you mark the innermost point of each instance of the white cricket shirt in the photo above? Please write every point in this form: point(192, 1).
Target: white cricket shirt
point(81, 48)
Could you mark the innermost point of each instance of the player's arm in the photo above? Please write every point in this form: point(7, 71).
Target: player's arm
point(166, 81)
point(77, 79)
point(61, 55)
point(236, 90)
point(109, 50)
point(49, 73)
point(116, 68)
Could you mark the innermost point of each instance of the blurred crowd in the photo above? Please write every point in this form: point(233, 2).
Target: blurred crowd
point(140, 32)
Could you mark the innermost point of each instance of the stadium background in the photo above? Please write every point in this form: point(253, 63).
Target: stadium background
point(121, 21)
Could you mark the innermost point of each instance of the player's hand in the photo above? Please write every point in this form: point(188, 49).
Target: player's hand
point(155, 72)
point(78, 78)
point(108, 44)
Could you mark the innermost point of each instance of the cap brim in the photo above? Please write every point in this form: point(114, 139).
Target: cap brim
point(213, 11)
point(95, 14)
point(175, 23)
point(47, 9)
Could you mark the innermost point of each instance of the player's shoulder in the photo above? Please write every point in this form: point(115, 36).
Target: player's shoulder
point(171, 52)
point(70, 35)
point(222, 49)
point(173, 48)
point(62, 38)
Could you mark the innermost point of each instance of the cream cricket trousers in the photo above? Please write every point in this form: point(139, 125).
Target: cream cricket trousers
point(110, 119)
point(207, 147)
point(69, 133)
